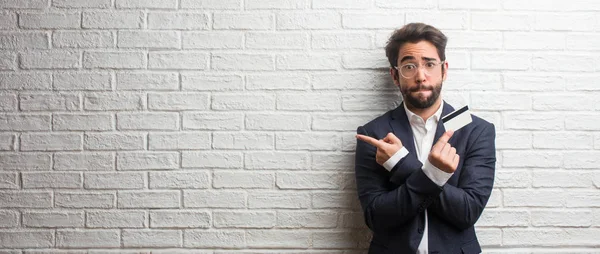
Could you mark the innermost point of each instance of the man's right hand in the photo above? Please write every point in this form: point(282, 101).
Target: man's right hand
point(443, 155)
point(386, 147)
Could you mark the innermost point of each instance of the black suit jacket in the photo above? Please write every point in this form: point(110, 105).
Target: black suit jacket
point(394, 201)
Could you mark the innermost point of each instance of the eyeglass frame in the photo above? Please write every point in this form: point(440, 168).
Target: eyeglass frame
point(441, 63)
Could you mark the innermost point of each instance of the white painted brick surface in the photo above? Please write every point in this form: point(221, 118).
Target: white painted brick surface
point(227, 127)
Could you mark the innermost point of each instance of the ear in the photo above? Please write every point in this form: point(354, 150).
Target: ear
point(395, 75)
point(445, 74)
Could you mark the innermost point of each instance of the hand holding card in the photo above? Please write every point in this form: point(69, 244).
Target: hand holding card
point(457, 119)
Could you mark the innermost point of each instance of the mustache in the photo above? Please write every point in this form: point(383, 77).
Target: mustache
point(420, 87)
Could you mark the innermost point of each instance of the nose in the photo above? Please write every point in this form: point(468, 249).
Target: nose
point(420, 76)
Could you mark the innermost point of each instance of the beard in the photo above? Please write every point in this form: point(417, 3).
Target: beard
point(420, 101)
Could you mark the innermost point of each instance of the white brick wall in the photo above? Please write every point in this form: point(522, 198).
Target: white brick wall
point(227, 126)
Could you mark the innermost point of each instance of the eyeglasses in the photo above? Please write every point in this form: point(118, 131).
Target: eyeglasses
point(410, 70)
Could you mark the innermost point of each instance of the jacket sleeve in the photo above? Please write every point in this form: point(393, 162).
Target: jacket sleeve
point(461, 205)
point(386, 204)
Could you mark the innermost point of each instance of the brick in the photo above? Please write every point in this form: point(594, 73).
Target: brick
point(535, 82)
point(545, 21)
point(277, 239)
point(581, 81)
point(582, 122)
point(211, 159)
point(203, 82)
point(276, 4)
point(578, 5)
point(148, 199)
point(211, 4)
point(471, 4)
point(88, 238)
point(82, 122)
point(534, 198)
point(333, 161)
point(489, 237)
point(560, 140)
point(91, 81)
point(534, 159)
point(178, 21)
point(82, 3)
point(276, 160)
point(179, 219)
point(513, 140)
point(244, 141)
point(277, 82)
point(228, 219)
point(335, 239)
point(471, 40)
point(503, 218)
point(280, 199)
point(307, 141)
point(252, 21)
point(148, 39)
point(549, 237)
point(26, 161)
point(244, 62)
point(308, 181)
point(308, 101)
point(53, 219)
point(213, 239)
point(368, 102)
point(340, 4)
point(334, 200)
point(24, 40)
point(561, 218)
point(214, 199)
point(113, 19)
point(245, 101)
point(9, 180)
point(372, 20)
point(497, 61)
point(7, 142)
point(503, 101)
point(539, 121)
point(365, 60)
point(339, 122)
point(147, 160)
point(93, 161)
point(25, 199)
point(116, 180)
point(584, 63)
point(114, 60)
point(179, 141)
point(27, 239)
point(8, 20)
point(82, 39)
point(68, 20)
point(495, 199)
point(508, 178)
point(280, 40)
point(54, 252)
point(474, 81)
point(147, 81)
point(24, 122)
point(308, 20)
point(8, 102)
point(583, 198)
point(571, 102)
point(49, 102)
point(213, 121)
point(116, 219)
point(113, 141)
point(8, 60)
point(178, 101)
point(151, 238)
point(84, 199)
point(212, 40)
point(499, 21)
point(148, 121)
point(351, 81)
point(146, 4)
point(310, 61)
point(306, 219)
point(581, 159)
point(245, 180)
point(56, 59)
point(113, 101)
point(279, 122)
point(439, 19)
point(9, 218)
point(178, 60)
point(337, 40)
point(51, 180)
point(179, 180)
point(523, 40)
point(354, 220)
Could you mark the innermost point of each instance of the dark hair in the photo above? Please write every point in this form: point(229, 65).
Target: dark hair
point(413, 33)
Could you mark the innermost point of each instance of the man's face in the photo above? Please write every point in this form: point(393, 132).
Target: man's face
point(423, 88)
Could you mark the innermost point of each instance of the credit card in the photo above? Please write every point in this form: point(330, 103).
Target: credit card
point(457, 119)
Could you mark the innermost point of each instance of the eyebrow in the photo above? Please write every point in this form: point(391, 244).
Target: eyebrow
point(413, 58)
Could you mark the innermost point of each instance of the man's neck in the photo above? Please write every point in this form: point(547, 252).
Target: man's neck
point(425, 113)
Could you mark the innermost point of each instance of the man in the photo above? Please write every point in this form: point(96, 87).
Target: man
point(419, 196)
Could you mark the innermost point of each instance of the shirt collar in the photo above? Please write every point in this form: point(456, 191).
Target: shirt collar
point(413, 117)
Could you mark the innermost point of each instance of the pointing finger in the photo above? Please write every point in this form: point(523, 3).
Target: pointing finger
point(369, 140)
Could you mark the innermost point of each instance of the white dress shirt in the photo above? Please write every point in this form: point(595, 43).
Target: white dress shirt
point(423, 134)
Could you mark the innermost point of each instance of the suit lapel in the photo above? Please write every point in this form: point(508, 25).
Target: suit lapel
point(401, 128)
point(440, 127)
